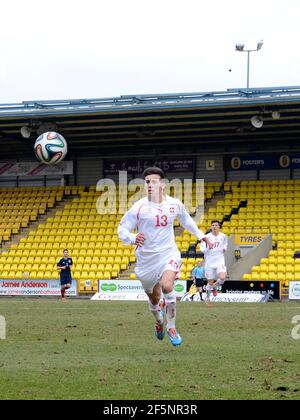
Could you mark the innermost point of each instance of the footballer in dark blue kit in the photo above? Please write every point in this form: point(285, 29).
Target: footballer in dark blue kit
point(64, 265)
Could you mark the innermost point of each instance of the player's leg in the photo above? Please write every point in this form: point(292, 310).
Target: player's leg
point(154, 302)
point(148, 273)
point(222, 273)
point(209, 290)
point(63, 290)
point(155, 308)
point(68, 285)
point(200, 292)
point(210, 275)
point(167, 283)
point(65, 284)
point(221, 277)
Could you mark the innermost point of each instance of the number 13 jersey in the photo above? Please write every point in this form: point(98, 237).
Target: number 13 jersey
point(156, 222)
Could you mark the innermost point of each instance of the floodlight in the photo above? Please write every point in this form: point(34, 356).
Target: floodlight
point(25, 131)
point(275, 115)
point(239, 47)
point(259, 45)
point(257, 121)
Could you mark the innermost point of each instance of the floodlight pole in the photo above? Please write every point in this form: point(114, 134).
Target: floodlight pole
point(248, 68)
point(240, 48)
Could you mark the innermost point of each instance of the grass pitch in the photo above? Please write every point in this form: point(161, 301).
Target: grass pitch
point(85, 349)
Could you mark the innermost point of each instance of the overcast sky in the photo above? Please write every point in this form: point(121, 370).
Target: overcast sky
point(62, 49)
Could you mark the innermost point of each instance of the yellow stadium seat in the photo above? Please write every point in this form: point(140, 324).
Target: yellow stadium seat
point(255, 276)
point(289, 276)
point(297, 275)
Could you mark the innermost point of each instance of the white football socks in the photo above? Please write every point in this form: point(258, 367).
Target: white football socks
point(170, 301)
point(156, 311)
point(209, 289)
point(219, 282)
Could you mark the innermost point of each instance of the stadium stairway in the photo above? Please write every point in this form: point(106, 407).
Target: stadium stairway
point(221, 206)
point(211, 203)
point(244, 265)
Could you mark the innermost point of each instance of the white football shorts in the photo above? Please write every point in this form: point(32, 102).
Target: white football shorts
point(212, 271)
point(151, 266)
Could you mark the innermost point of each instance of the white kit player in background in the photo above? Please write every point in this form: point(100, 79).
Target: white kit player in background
point(215, 269)
point(158, 259)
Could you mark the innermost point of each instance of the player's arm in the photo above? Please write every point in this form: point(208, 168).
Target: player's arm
point(60, 267)
point(188, 223)
point(127, 225)
point(203, 246)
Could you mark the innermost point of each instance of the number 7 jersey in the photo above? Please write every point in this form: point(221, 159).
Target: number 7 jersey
point(156, 222)
point(219, 246)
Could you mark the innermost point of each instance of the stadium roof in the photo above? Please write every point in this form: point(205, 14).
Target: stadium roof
point(137, 122)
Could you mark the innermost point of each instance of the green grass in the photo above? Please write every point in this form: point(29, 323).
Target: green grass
point(85, 349)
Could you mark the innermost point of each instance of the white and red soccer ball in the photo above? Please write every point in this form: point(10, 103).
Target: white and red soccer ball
point(50, 148)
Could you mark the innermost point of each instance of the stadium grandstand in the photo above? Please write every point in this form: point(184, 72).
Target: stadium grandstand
point(244, 144)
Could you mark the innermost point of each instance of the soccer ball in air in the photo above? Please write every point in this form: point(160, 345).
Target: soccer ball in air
point(50, 148)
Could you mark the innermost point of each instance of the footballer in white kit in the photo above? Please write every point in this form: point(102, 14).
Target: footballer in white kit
point(158, 258)
point(159, 252)
point(215, 268)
